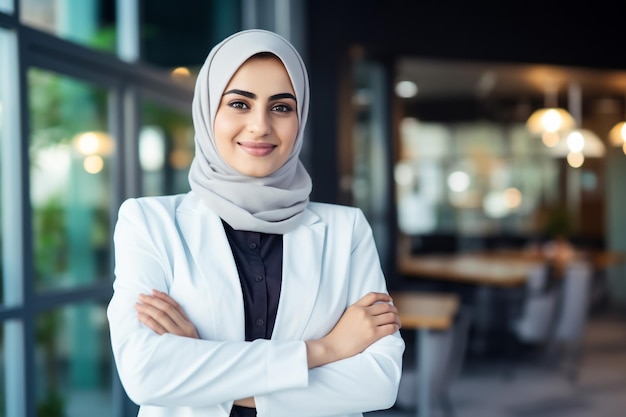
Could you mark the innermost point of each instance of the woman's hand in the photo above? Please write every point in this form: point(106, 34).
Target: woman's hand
point(363, 323)
point(163, 314)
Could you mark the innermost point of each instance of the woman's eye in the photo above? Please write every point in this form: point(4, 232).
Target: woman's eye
point(238, 105)
point(283, 108)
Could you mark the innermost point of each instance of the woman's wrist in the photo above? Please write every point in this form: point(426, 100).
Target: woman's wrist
point(318, 353)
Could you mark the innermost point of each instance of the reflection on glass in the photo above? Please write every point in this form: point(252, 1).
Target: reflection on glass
point(6, 6)
point(3, 379)
point(87, 22)
point(73, 362)
point(2, 101)
point(166, 149)
point(6, 60)
point(70, 182)
point(487, 178)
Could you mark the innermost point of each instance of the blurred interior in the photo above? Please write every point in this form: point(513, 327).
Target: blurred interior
point(419, 116)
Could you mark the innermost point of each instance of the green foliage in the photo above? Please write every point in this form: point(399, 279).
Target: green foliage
point(105, 39)
point(51, 246)
point(53, 405)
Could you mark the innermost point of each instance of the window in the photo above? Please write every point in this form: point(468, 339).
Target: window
point(3, 99)
point(473, 178)
point(6, 6)
point(166, 148)
point(86, 22)
point(73, 362)
point(70, 182)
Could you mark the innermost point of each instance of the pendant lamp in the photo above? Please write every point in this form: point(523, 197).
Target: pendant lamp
point(578, 143)
point(551, 120)
point(617, 135)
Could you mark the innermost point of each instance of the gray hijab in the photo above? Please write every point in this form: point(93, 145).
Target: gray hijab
point(272, 204)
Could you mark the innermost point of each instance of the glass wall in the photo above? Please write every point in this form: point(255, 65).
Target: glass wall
point(70, 186)
point(166, 148)
point(73, 362)
point(6, 6)
point(473, 179)
point(87, 22)
point(3, 380)
point(182, 36)
point(77, 137)
point(3, 59)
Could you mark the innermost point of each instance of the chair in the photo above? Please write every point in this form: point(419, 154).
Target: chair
point(572, 314)
point(448, 350)
point(538, 306)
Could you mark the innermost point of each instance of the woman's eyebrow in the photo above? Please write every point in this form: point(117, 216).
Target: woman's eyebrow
point(254, 97)
point(241, 93)
point(283, 95)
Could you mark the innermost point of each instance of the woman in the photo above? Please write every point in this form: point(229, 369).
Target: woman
point(241, 297)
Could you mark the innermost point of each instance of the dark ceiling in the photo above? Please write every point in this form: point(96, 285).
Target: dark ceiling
point(500, 54)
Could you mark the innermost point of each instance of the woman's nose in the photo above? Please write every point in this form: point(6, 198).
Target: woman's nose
point(260, 123)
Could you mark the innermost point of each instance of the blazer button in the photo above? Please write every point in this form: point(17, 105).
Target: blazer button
point(258, 278)
point(260, 322)
point(252, 245)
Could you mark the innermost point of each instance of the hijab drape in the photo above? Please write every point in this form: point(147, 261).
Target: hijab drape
point(271, 204)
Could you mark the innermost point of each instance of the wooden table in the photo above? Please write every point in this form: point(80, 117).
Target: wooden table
point(467, 268)
point(425, 312)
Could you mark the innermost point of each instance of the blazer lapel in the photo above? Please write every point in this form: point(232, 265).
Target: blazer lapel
point(302, 262)
point(208, 246)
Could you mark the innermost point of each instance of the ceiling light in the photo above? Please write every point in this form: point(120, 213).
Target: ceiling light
point(582, 141)
point(551, 118)
point(579, 143)
point(406, 89)
point(617, 135)
point(575, 159)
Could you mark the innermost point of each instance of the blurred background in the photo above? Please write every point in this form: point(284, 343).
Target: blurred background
point(484, 142)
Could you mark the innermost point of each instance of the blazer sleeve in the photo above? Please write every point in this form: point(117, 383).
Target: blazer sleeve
point(365, 382)
point(170, 370)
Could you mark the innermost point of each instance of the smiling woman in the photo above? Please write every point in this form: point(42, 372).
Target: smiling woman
point(213, 300)
point(256, 123)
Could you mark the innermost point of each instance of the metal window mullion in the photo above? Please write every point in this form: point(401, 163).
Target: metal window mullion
point(7, 21)
point(15, 225)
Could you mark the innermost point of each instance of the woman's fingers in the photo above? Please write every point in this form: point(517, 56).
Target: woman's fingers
point(373, 297)
point(163, 314)
point(379, 308)
point(385, 319)
point(155, 312)
point(165, 297)
point(151, 323)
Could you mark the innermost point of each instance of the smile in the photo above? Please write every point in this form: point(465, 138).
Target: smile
point(257, 148)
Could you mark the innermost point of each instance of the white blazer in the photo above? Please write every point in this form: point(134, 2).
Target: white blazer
point(177, 245)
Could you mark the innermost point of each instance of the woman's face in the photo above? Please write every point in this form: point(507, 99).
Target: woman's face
point(256, 123)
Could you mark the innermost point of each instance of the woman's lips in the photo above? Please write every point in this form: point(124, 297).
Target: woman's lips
point(257, 148)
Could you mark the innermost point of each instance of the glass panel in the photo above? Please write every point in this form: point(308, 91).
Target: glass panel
point(73, 362)
point(4, 383)
point(471, 179)
point(12, 395)
point(166, 148)
point(172, 37)
point(70, 181)
point(6, 6)
point(4, 59)
point(87, 22)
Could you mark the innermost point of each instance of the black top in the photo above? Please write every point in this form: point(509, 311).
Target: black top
point(259, 260)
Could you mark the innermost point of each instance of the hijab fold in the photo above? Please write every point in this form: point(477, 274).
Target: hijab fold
point(271, 204)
